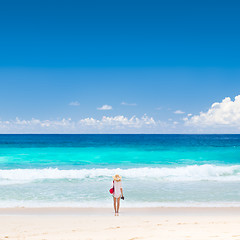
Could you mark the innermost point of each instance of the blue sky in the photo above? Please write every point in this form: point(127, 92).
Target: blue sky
point(61, 61)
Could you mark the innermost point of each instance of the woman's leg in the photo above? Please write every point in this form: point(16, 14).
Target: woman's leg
point(118, 204)
point(115, 200)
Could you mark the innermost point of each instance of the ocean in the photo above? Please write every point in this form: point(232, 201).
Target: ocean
point(157, 170)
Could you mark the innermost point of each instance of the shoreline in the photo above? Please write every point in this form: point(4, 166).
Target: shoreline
point(155, 211)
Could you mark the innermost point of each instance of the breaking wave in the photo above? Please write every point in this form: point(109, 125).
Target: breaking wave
point(205, 172)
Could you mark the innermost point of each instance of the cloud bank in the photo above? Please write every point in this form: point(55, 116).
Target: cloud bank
point(220, 114)
point(221, 117)
point(119, 121)
point(85, 125)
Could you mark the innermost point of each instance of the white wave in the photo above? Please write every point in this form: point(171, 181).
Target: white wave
point(108, 204)
point(186, 173)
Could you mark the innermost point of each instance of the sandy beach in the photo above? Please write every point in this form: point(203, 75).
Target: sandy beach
point(145, 223)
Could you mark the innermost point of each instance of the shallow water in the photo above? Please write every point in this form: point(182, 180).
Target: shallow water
point(157, 170)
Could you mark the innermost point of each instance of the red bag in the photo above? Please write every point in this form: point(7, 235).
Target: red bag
point(112, 189)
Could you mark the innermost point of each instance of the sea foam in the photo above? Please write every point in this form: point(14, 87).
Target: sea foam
point(108, 204)
point(184, 173)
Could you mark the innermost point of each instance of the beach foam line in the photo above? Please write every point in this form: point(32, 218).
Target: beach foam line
point(185, 173)
point(108, 204)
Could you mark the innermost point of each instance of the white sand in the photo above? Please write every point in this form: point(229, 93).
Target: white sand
point(161, 223)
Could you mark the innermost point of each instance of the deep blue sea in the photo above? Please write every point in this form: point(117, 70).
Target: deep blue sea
point(157, 170)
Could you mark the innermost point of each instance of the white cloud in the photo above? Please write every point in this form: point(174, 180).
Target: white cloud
point(85, 125)
point(119, 121)
point(105, 107)
point(225, 113)
point(76, 103)
point(35, 125)
point(179, 112)
point(128, 104)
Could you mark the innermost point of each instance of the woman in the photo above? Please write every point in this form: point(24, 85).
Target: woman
point(118, 192)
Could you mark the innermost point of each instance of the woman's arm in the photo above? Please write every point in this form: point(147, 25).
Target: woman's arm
point(121, 188)
point(121, 191)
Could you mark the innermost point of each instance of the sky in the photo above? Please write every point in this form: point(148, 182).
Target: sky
point(119, 66)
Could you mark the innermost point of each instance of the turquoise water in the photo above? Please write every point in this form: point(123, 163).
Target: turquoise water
point(157, 170)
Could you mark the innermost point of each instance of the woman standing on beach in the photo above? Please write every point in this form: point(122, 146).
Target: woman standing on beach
point(118, 192)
